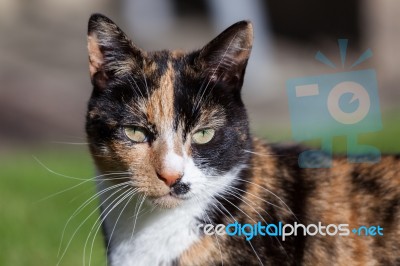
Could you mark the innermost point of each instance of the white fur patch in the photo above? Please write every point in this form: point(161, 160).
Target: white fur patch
point(172, 161)
point(162, 235)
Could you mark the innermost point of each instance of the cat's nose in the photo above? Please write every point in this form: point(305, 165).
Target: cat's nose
point(169, 177)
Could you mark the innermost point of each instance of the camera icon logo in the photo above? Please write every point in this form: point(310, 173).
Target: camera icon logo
point(359, 94)
point(340, 104)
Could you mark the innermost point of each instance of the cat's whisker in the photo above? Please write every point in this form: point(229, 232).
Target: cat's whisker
point(212, 196)
point(83, 205)
point(249, 241)
point(264, 154)
point(251, 206)
point(133, 193)
point(208, 96)
point(136, 211)
point(202, 215)
point(132, 108)
point(81, 183)
point(266, 201)
point(68, 143)
point(61, 191)
point(90, 189)
point(130, 77)
point(145, 82)
point(195, 106)
point(216, 236)
point(101, 216)
point(255, 252)
point(116, 172)
point(114, 178)
point(272, 193)
point(249, 218)
point(239, 197)
point(83, 222)
point(137, 214)
point(220, 203)
point(130, 194)
point(238, 208)
point(62, 175)
point(87, 191)
point(201, 99)
point(53, 172)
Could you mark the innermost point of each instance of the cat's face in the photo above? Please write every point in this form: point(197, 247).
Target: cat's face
point(175, 121)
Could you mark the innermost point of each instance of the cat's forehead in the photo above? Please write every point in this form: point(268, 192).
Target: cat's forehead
point(160, 63)
point(170, 94)
point(159, 105)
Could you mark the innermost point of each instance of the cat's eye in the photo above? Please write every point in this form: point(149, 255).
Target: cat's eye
point(203, 136)
point(136, 134)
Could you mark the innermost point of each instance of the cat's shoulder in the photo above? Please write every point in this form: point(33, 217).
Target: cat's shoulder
point(277, 151)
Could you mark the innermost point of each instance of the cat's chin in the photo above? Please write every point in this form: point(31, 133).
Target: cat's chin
point(166, 202)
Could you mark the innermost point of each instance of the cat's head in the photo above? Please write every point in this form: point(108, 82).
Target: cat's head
point(174, 121)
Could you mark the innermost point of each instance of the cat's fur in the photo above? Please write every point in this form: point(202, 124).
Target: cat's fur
point(234, 176)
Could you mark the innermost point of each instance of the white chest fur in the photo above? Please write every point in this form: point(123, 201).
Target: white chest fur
point(159, 236)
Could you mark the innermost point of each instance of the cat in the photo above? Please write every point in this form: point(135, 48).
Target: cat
point(169, 135)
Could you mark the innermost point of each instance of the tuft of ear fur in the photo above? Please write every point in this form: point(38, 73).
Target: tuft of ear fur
point(226, 56)
point(111, 53)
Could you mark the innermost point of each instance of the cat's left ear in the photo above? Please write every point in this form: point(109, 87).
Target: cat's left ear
point(225, 58)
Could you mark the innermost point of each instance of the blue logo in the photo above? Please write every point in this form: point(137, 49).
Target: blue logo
point(340, 104)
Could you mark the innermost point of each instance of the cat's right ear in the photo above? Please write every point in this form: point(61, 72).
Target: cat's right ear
point(224, 59)
point(111, 54)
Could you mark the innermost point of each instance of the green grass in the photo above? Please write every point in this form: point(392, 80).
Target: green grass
point(386, 140)
point(30, 229)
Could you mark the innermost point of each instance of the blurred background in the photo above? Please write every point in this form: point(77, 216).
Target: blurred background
point(45, 86)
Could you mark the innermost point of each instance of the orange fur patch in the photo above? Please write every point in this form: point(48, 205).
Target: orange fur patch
point(95, 55)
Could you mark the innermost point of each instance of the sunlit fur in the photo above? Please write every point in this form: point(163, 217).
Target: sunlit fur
point(233, 177)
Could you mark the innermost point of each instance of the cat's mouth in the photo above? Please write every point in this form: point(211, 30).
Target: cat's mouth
point(179, 192)
point(176, 196)
point(167, 201)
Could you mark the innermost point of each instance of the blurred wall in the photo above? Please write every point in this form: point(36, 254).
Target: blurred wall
point(44, 75)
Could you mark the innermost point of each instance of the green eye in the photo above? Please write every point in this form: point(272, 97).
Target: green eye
point(136, 134)
point(203, 136)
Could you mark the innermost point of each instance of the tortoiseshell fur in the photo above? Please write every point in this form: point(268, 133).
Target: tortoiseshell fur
point(172, 94)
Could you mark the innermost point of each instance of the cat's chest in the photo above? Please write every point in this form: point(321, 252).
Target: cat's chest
point(159, 240)
point(156, 237)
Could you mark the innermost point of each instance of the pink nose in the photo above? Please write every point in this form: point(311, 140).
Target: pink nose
point(169, 178)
